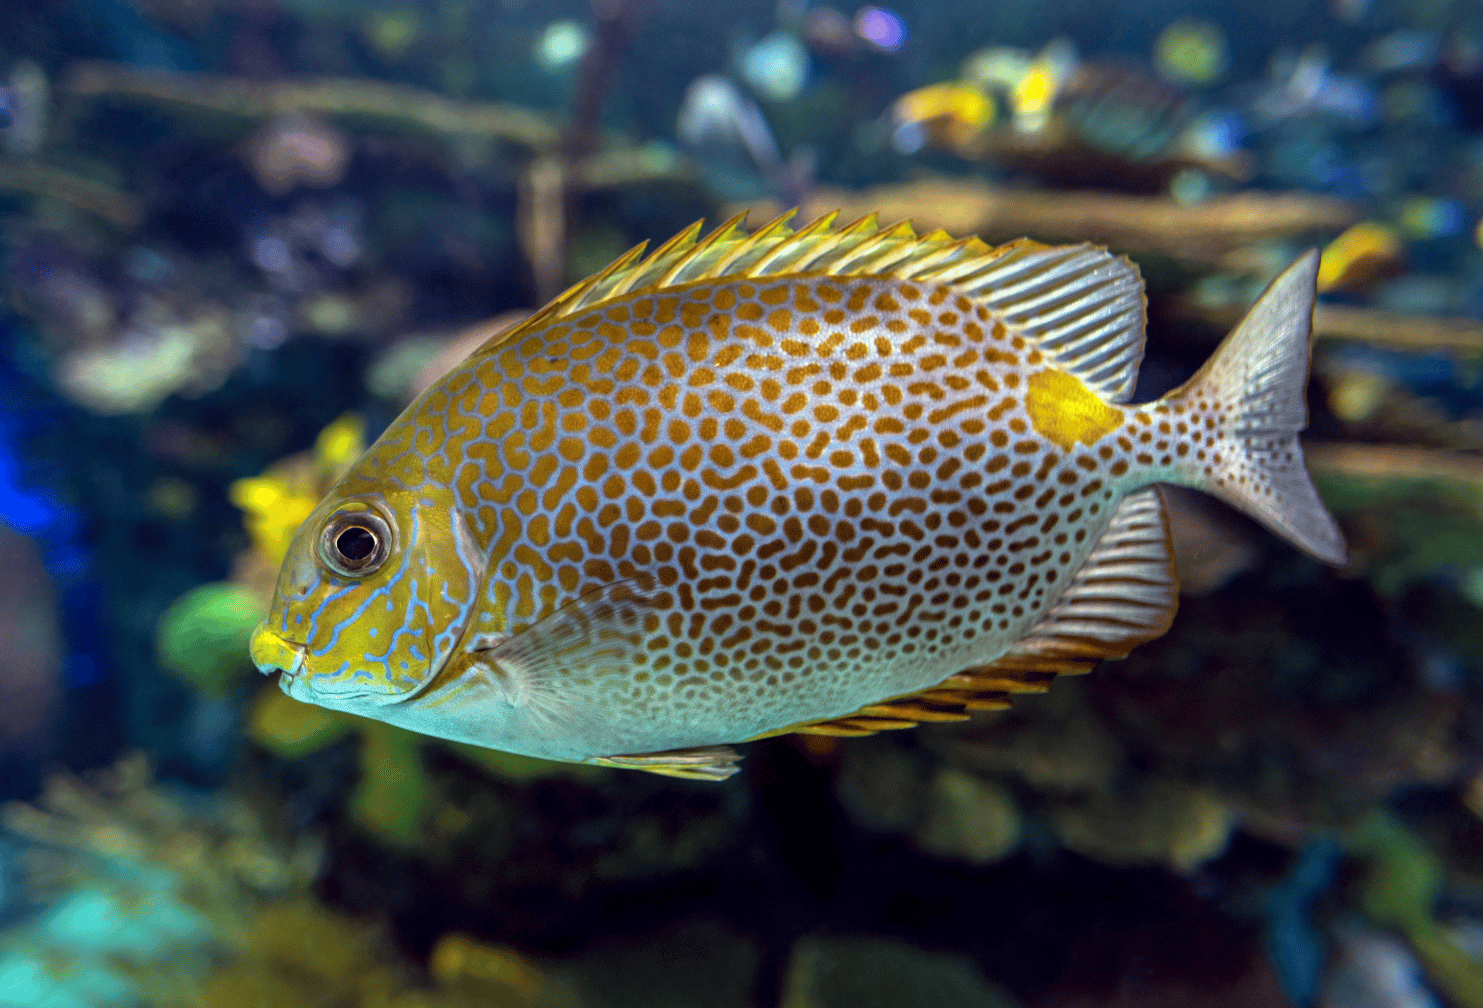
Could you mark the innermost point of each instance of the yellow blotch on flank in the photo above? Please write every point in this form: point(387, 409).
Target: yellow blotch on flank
point(1066, 411)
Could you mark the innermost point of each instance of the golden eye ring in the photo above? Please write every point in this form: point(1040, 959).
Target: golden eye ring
point(355, 543)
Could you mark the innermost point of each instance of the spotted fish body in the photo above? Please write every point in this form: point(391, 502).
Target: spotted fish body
point(838, 480)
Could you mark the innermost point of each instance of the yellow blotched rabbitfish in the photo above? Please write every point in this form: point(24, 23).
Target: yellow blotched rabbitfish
point(834, 481)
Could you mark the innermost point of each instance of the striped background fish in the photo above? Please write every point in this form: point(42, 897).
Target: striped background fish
point(837, 480)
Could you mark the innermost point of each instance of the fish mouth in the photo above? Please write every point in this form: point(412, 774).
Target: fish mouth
point(271, 653)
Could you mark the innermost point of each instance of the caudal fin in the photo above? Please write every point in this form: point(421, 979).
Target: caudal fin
point(1245, 408)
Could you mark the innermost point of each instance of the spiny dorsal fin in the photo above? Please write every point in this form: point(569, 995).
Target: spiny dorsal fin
point(858, 249)
point(1082, 306)
point(1124, 594)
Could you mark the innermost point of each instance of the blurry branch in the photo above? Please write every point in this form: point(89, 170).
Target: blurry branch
point(1412, 333)
point(616, 20)
point(371, 107)
point(1390, 462)
point(90, 195)
point(547, 200)
point(561, 162)
point(370, 104)
point(1399, 332)
point(1206, 234)
point(540, 222)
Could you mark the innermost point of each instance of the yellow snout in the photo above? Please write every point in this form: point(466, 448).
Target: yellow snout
point(271, 652)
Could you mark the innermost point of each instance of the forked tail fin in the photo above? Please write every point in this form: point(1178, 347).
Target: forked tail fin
point(1243, 411)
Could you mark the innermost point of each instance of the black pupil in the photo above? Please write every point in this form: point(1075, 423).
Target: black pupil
point(355, 544)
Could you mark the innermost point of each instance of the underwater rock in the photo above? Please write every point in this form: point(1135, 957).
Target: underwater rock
point(946, 812)
point(698, 961)
point(882, 785)
point(1054, 742)
point(870, 972)
point(1158, 821)
point(1070, 770)
point(968, 819)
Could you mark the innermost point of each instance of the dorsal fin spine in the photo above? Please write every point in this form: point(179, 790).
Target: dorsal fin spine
point(950, 251)
point(700, 248)
point(898, 244)
point(780, 259)
point(578, 300)
point(680, 241)
point(755, 241)
point(1079, 304)
point(849, 238)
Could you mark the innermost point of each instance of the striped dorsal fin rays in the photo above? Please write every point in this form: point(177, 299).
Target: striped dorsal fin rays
point(1080, 305)
point(1124, 595)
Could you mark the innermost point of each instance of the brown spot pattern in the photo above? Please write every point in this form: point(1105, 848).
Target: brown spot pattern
point(827, 487)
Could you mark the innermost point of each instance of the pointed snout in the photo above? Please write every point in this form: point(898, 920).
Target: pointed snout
point(271, 653)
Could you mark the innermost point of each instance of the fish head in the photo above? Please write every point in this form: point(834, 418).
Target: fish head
point(372, 599)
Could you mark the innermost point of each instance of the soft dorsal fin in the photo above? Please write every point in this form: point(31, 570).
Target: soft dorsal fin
point(1081, 305)
point(1124, 594)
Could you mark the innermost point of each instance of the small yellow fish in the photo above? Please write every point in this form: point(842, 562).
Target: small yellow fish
point(834, 481)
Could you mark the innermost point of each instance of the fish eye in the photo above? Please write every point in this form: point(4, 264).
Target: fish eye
point(355, 543)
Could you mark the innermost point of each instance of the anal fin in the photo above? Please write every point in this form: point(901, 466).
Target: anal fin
point(712, 763)
point(1125, 594)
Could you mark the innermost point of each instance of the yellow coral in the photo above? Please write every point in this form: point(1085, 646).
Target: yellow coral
point(276, 503)
point(459, 957)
